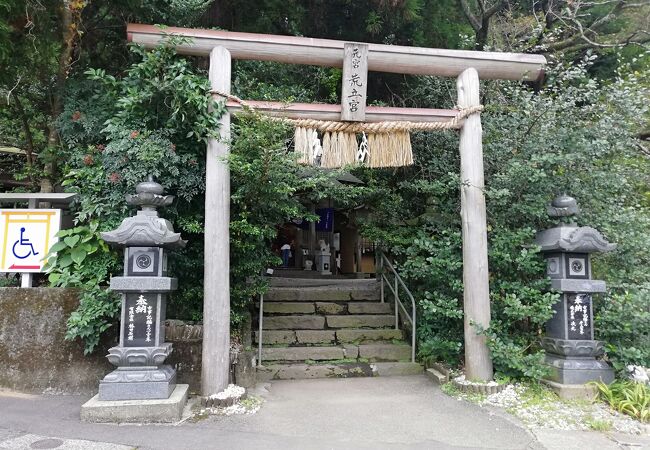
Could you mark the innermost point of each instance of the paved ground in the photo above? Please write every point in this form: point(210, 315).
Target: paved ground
point(358, 413)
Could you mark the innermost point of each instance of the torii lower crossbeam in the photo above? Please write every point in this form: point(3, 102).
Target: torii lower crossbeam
point(322, 111)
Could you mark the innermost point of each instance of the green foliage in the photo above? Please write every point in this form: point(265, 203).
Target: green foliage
point(264, 183)
point(623, 322)
point(261, 80)
point(600, 425)
point(520, 303)
point(81, 259)
point(268, 188)
point(627, 397)
point(152, 121)
point(157, 118)
point(531, 154)
point(9, 280)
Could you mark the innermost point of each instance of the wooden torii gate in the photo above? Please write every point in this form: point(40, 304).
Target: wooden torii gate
point(467, 66)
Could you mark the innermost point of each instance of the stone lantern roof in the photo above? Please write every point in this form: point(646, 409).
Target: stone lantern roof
point(146, 228)
point(568, 237)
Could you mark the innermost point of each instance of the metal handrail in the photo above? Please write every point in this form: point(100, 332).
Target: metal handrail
point(385, 262)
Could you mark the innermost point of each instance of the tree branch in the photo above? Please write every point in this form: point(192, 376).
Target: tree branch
point(29, 140)
point(69, 20)
point(473, 21)
point(494, 9)
point(587, 34)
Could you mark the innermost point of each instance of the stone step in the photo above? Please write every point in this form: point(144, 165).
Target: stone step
point(436, 376)
point(303, 353)
point(385, 352)
point(321, 294)
point(312, 322)
point(330, 308)
point(289, 308)
point(274, 337)
point(369, 308)
point(315, 336)
point(368, 352)
point(385, 334)
point(343, 336)
point(361, 321)
point(392, 369)
point(294, 323)
point(306, 371)
point(344, 370)
point(324, 281)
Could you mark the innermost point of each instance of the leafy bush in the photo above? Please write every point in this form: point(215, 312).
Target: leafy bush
point(532, 152)
point(81, 259)
point(627, 397)
point(155, 121)
point(623, 322)
point(268, 189)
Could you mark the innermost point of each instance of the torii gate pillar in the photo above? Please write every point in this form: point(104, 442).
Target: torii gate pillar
point(216, 273)
point(476, 292)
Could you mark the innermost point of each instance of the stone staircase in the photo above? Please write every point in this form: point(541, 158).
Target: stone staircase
point(321, 328)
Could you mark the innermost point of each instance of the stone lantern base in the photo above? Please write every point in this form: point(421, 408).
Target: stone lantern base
point(168, 410)
point(574, 361)
point(140, 374)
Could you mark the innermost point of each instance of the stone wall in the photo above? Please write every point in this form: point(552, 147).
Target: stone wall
point(186, 357)
point(34, 355)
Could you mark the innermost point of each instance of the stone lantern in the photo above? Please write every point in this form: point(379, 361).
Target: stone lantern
point(146, 238)
point(571, 350)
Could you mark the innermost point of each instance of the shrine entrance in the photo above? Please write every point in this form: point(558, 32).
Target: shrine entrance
point(328, 136)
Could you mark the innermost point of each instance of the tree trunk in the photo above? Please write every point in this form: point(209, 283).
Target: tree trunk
point(29, 141)
point(68, 36)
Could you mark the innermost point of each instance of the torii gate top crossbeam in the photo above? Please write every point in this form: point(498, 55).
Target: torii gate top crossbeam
point(326, 52)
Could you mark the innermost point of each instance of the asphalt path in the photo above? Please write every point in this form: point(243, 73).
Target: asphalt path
point(354, 413)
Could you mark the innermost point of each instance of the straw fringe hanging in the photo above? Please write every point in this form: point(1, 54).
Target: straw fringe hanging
point(349, 156)
point(340, 148)
point(389, 143)
point(301, 145)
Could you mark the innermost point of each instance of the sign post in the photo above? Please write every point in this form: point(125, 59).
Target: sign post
point(26, 236)
point(34, 233)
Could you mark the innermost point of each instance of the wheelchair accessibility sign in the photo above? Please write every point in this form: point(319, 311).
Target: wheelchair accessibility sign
point(26, 236)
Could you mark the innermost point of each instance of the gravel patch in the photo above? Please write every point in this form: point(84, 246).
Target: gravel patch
point(246, 406)
point(461, 380)
point(231, 391)
point(539, 408)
